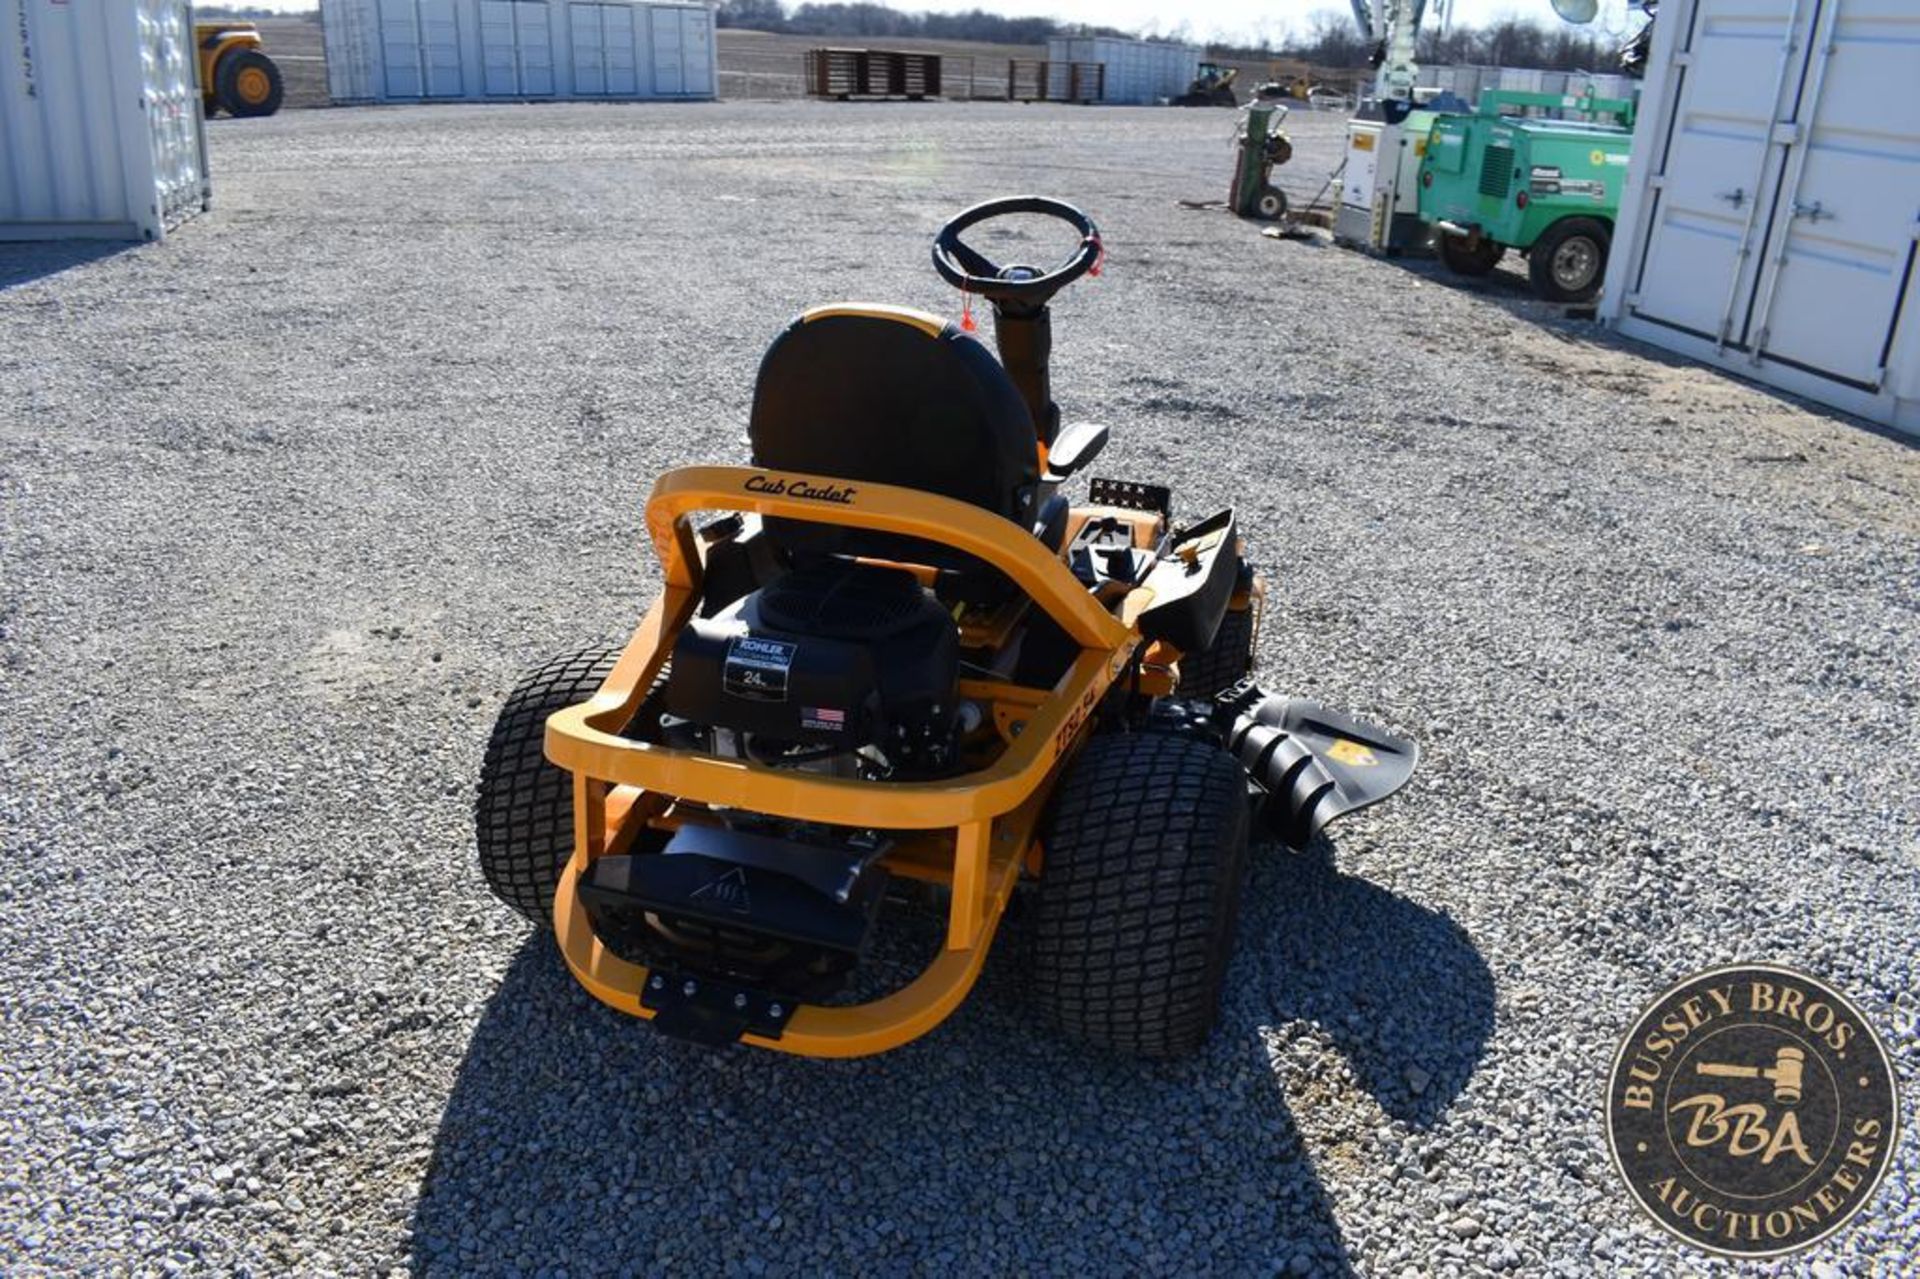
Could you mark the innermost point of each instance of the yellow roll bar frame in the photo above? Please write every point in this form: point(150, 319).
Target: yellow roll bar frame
point(992, 812)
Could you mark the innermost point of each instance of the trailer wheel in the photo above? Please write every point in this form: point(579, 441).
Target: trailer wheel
point(249, 83)
point(1477, 260)
point(1144, 850)
point(1569, 260)
point(1271, 205)
point(523, 819)
point(1223, 663)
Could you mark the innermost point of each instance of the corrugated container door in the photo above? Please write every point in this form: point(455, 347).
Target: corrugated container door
point(400, 49)
point(1719, 167)
point(622, 61)
point(589, 49)
point(667, 77)
point(1841, 255)
point(533, 42)
point(696, 57)
point(350, 32)
point(440, 49)
point(1177, 70)
point(60, 148)
point(499, 50)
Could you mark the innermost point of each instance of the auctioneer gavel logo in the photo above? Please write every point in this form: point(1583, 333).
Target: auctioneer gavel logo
point(1787, 1073)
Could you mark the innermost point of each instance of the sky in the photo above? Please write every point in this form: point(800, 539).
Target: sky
point(1244, 20)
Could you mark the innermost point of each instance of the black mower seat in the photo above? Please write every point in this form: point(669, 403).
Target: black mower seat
point(893, 396)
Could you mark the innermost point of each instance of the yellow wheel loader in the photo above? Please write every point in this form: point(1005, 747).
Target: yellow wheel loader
point(235, 72)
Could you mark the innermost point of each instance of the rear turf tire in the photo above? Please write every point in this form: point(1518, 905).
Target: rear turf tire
point(1223, 663)
point(1143, 853)
point(523, 820)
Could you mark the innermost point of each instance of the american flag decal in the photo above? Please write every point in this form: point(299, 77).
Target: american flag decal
point(825, 714)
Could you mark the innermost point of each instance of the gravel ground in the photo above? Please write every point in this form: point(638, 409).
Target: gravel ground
point(287, 502)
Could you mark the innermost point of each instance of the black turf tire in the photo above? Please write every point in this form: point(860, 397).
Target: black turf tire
point(1143, 853)
point(1223, 663)
point(1478, 260)
point(227, 83)
point(523, 820)
point(1563, 235)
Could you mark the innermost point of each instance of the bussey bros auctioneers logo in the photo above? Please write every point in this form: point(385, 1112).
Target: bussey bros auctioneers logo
point(1752, 1111)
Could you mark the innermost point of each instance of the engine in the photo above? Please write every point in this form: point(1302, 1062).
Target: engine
point(840, 668)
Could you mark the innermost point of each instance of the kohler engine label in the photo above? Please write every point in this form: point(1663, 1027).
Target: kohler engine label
point(757, 668)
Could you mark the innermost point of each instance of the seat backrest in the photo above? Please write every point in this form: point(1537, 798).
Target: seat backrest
point(895, 396)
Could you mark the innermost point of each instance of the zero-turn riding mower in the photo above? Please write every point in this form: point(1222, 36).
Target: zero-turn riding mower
point(235, 71)
point(894, 651)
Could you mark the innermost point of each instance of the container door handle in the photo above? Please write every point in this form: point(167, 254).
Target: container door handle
point(1735, 197)
point(1811, 212)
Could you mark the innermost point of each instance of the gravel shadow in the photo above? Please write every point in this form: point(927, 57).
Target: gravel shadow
point(23, 262)
point(988, 1145)
point(1402, 991)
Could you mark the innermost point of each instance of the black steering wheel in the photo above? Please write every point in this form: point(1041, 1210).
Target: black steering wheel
point(966, 268)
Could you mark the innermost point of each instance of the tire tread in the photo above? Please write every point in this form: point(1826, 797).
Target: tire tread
point(523, 816)
point(1143, 854)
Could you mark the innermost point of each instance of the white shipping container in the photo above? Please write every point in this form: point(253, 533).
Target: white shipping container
point(1466, 83)
point(1138, 72)
point(1771, 215)
point(517, 50)
point(1618, 87)
point(100, 128)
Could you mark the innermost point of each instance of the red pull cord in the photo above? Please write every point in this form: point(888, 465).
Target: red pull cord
point(1100, 259)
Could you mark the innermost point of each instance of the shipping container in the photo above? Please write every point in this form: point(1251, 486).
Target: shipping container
point(1621, 87)
point(517, 50)
point(100, 129)
point(1466, 84)
point(1136, 72)
point(1771, 212)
